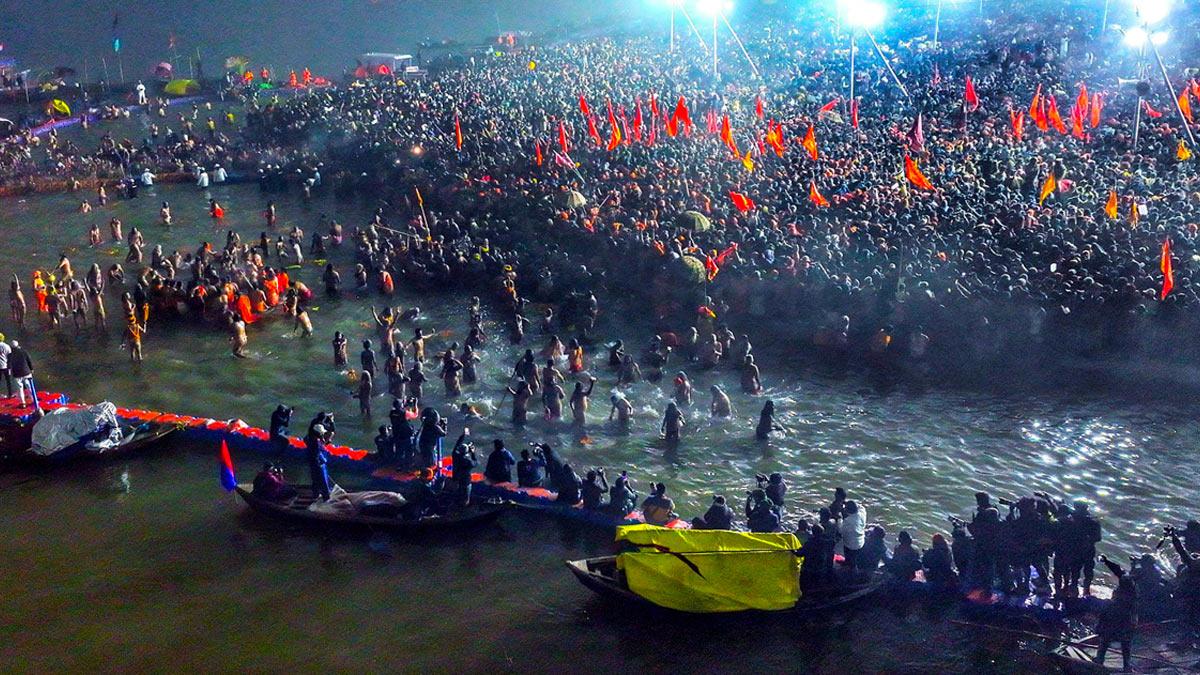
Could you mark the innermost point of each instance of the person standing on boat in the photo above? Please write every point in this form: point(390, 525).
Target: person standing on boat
point(854, 532)
point(5, 352)
point(531, 470)
point(1085, 534)
point(463, 460)
point(317, 461)
point(499, 464)
point(280, 419)
point(1118, 618)
point(20, 366)
point(595, 485)
point(429, 440)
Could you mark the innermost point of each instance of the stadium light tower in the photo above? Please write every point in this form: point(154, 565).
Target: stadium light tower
point(867, 14)
point(717, 9)
point(675, 6)
point(1150, 12)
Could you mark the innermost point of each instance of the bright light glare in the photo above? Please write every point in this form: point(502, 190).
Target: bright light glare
point(864, 13)
point(1135, 36)
point(714, 8)
point(1160, 38)
point(674, 4)
point(1152, 11)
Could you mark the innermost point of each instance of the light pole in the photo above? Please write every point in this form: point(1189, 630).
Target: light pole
point(718, 9)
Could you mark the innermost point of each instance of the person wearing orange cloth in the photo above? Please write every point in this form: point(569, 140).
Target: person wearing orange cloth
point(215, 210)
point(244, 310)
point(386, 285)
point(271, 288)
point(39, 291)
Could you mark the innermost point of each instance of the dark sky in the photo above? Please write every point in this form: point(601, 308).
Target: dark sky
point(323, 34)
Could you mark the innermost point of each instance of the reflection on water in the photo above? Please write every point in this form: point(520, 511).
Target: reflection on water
point(151, 538)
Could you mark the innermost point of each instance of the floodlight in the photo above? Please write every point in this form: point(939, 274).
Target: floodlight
point(714, 8)
point(864, 13)
point(1152, 11)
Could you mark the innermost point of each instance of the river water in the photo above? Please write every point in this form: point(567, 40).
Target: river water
point(146, 564)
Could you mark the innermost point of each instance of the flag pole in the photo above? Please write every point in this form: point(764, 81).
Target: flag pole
point(1171, 88)
point(851, 66)
point(937, 23)
point(891, 71)
point(738, 40)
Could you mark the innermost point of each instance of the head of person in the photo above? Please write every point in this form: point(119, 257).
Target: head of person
point(904, 538)
point(497, 444)
point(851, 507)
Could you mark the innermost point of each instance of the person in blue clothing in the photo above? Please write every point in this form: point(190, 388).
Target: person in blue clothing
point(499, 464)
point(317, 461)
point(760, 513)
point(280, 419)
point(531, 470)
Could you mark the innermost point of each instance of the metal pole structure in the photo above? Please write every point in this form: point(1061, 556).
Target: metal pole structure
point(887, 63)
point(937, 24)
point(672, 28)
point(1137, 122)
point(715, 44)
point(1104, 18)
point(738, 40)
point(695, 30)
point(851, 66)
point(1171, 88)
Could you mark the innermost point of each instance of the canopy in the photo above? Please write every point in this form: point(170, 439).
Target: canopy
point(572, 199)
point(710, 571)
point(694, 221)
point(181, 87)
point(60, 106)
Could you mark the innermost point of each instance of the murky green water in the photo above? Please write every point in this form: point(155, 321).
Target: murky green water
point(160, 569)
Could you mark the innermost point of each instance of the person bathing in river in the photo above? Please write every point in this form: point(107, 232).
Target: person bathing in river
point(418, 344)
point(527, 370)
point(452, 374)
point(683, 389)
point(416, 381)
point(766, 422)
point(366, 389)
point(469, 359)
point(672, 424)
point(720, 406)
point(750, 380)
point(622, 409)
point(552, 401)
point(16, 302)
point(340, 358)
point(520, 395)
point(579, 402)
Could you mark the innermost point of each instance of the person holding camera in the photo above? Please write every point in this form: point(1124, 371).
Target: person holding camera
point(531, 470)
point(1118, 619)
point(595, 486)
point(760, 514)
point(463, 460)
point(280, 419)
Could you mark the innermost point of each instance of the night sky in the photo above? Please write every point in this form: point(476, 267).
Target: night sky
point(325, 35)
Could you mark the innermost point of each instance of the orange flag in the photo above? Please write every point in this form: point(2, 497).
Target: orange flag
point(1037, 110)
point(1167, 271)
point(727, 135)
point(614, 138)
point(1077, 114)
point(457, 132)
point(1082, 99)
point(1047, 187)
point(815, 197)
point(1018, 123)
point(583, 106)
point(593, 132)
point(1134, 214)
point(537, 152)
point(1181, 152)
point(913, 173)
point(970, 97)
point(1185, 105)
point(758, 106)
point(810, 143)
point(1054, 117)
point(562, 137)
point(1110, 207)
point(1097, 104)
point(740, 201)
point(748, 162)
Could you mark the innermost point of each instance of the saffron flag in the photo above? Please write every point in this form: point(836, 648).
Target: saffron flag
point(913, 173)
point(457, 132)
point(682, 114)
point(1049, 186)
point(758, 106)
point(810, 143)
point(727, 253)
point(1134, 214)
point(748, 162)
point(727, 135)
point(228, 480)
point(1077, 114)
point(740, 201)
point(1181, 152)
point(593, 132)
point(583, 106)
point(1097, 104)
point(854, 113)
point(1017, 118)
point(1167, 272)
point(1185, 105)
point(815, 197)
point(828, 107)
point(710, 267)
point(614, 138)
point(1054, 117)
point(971, 98)
point(537, 152)
point(1110, 207)
point(420, 201)
point(1037, 109)
point(562, 137)
point(1082, 99)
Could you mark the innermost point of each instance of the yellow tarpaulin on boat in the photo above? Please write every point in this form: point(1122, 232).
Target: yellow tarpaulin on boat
point(59, 106)
point(707, 571)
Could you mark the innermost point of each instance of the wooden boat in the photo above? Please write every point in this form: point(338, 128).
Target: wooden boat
point(15, 441)
point(296, 510)
point(1158, 656)
point(600, 575)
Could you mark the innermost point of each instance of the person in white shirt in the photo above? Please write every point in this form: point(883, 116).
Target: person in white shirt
point(202, 179)
point(219, 175)
point(147, 178)
point(854, 532)
point(141, 93)
point(5, 373)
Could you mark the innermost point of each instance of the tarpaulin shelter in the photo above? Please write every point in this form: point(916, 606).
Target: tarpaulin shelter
point(181, 87)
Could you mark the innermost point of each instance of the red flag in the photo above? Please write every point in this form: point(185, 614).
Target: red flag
point(854, 113)
point(1168, 273)
point(1082, 99)
point(1037, 110)
point(711, 267)
point(457, 132)
point(1151, 112)
point(727, 135)
point(916, 134)
point(583, 106)
point(614, 138)
point(729, 250)
point(537, 152)
point(710, 122)
point(810, 143)
point(741, 201)
point(682, 114)
point(828, 107)
point(1017, 118)
point(815, 197)
point(758, 106)
point(970, 96)
point(1097, 104)
point(637, 122)
point(775, 138)
point(593, 132)
point(562, 137)
point(654, 104)
point(1055, 118)
point(913, 173)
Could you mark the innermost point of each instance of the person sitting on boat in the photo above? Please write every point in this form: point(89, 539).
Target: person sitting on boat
point(905, 559)
point(317, 461)
point(718, 516)
point(760, 516)
point(595, 486)
point(874, 551)
point(531, 470)
point(938, 562)
point(423, 499)
point(622, 499)
point(1118, 618)
point(385, 446)
point(570, 486)
point(270, 484)
point(658, 508)
point(554, 466)
point(817, 568)
point(280, 419)
point(463, 460)
point(499, 464)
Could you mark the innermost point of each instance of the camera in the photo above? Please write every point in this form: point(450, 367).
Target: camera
point(1170, 530)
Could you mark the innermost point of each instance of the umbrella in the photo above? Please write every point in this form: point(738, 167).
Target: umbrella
point(696, 222)
point(60, 106)
point(694, 270)
point(181, 87)
point(164, 70)
point(571, 200)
